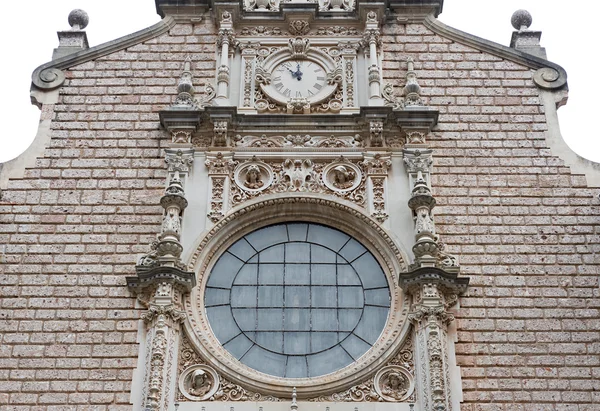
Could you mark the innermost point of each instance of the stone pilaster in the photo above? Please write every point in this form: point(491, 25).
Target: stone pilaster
point(160, 286)
point(432, 291)
point(219, 168)
point(376, 167)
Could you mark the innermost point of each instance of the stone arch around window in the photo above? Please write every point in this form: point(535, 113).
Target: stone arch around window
point(300, 209)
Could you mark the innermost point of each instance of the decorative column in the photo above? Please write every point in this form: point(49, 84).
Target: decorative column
point(160, 285)
point(371, 39)
point(432, 281)
point(433, 292)
point(225, 40)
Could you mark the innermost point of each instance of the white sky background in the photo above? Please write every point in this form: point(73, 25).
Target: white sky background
point(28, 33)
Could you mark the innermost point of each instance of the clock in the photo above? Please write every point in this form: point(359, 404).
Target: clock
point(298, 78)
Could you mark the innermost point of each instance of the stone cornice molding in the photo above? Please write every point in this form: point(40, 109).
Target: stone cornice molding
point(549, 76)
point(49, 76)
point(150, 277)
point(433, 275)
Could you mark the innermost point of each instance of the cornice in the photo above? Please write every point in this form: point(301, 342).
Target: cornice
point(49, 76)
point(549, 76)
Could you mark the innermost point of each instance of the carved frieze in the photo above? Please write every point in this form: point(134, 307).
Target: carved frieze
point(341, 178)
point(298, 140)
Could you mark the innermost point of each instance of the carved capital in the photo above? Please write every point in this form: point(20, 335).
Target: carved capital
point(418, 161)
point(179, 160)
point(220, 164)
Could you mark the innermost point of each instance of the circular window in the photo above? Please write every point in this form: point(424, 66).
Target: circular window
point(297, 300)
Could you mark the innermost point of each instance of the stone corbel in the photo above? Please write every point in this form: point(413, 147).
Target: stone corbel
point(432, 291)
point(219, 171)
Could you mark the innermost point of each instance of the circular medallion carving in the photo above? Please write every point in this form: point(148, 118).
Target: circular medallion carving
point(253, 176)
point(342, 176)
point(199, 382)
point(394, 383)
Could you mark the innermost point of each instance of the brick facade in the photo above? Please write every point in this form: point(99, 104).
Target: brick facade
point(522, 223)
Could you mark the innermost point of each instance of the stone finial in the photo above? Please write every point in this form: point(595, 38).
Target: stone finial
point(521, 20)
point(524, 39)
point(412, 89)
point(78, 19)
point(74, 40)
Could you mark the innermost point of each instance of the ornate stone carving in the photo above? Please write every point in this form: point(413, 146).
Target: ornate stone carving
point(418, 161)
point(304, 176)
point(298, 140)
point(199, 383)
point(349, 71)
point(342, 176)
point(336, 5)
point(299, 27)
point(376, 133)
point(219, 168)
point(220, 133)
point(181, 136)
point(337, 31)
point(299, 47)
point(261, 5)
point(393, 383)
point(179, 161)
point(412, 90)
point(219, 164)
point(253, 176)
point(261, 31)
point(390, 98)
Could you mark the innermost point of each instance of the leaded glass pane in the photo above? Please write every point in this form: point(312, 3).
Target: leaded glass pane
point(308, 300)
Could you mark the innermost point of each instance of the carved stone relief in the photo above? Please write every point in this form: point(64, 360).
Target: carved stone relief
point(199, 382)
point(253, 176)
point(342, 178)
point(298, 140)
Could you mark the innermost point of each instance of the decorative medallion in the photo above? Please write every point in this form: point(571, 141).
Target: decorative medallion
point(342, 176)
point(394, 383)
point(199, 382)
point(253, 176)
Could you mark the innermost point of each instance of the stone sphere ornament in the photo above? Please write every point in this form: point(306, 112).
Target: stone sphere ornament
point(78, 19)
point(521, 19)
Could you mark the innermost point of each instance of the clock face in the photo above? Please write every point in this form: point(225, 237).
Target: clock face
point(298, 79)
